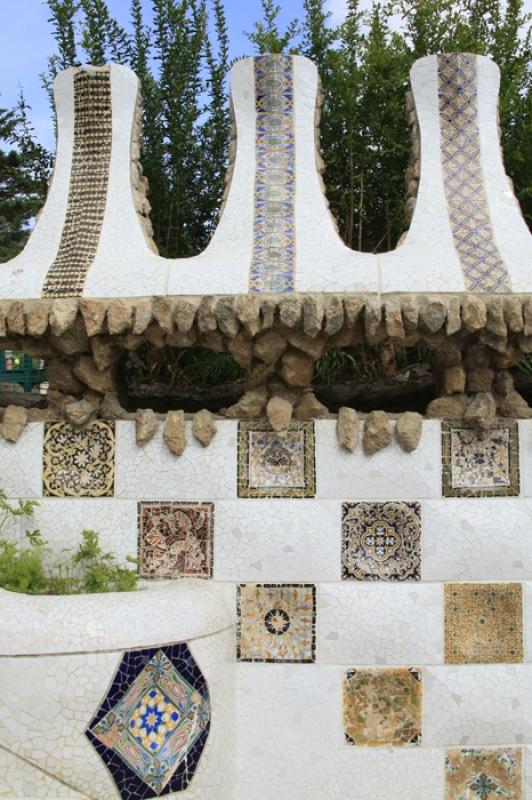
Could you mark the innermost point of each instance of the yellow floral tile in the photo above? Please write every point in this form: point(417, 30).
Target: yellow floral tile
point(483, 623)
point(79, 462)
point(484, 774)
point(383, 706)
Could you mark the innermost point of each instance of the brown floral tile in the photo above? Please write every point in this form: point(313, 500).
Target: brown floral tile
point(383, 706)
point(276, 622)
point(480, 467)
point(175, 540)
point(483, 623)
point(381, 541)
point(484, 774)
point(271, 465)
point(79, 462)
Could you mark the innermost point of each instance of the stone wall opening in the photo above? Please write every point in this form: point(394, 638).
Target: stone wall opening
point(187, 378)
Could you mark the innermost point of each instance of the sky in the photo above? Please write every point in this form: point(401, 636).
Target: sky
point(26, 43)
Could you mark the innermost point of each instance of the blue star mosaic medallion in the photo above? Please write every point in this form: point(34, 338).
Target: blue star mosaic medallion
point(152, 725)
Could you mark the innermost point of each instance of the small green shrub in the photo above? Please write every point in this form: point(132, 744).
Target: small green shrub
point(29, 568)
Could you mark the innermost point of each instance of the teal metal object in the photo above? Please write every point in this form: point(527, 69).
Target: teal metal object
point(22, 369)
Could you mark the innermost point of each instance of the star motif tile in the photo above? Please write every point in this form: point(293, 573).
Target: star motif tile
point(383, 706)
point(79, 462)
point(271, 465)
point(175, 540)
point(487, 773)
point(381, 541)
point(276, 622)
point(152, 725)
point(475, 467)
point(483, 623)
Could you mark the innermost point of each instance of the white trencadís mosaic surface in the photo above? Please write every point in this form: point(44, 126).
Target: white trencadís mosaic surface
point(261, 540)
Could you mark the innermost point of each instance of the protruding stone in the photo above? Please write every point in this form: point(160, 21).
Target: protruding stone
point(163, 311)
point(4, 308)
point(85, 371)
point(513, 313)
point(504, 383)
point(279, 413)
point(454, 318)
point(16, 319)
point(480, 379)
point(104, 352)
point(247, 309)
point(433, 315)
point(311, 346)
point(408, 430)
point(454, 380)
point(394, 320)
point(241, 348)
point(334, 315)
point(143, 315)
point(347, 429)
point(377, 433)
point(111, 408)
point(206, 317)
point(250, 405)
point(269, 347)
point(309, 407)
point(410, 312)
point(37, 314)
point(313, 313)
point(297, 369)
point(119, 316)
point(513, 405)
point(443, 407)
point(14, 422)
point(226, 317)
point(527, 316)
point(146, 425)
point(496, 323)
point(372, 317)
point(93, 313)
point(175, 432)
point(290, 311)
point(481, 411)
point(353, 310)
point(185, 314)
point(61, 377)
point(79, 412)
point(268, 310)
point(203, 427)
point(63, 314)
point(474, 314)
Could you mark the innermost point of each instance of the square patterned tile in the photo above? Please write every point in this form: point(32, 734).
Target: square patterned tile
point(270, 465)
point(474, 467)
point(485, 773)
point(276, 622)
point(381, 541)
point(175, 540)
point(383, 706)
point(79, 462)
point(483, 623)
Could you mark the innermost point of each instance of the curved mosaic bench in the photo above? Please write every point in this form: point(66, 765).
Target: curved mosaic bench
point(111, 695)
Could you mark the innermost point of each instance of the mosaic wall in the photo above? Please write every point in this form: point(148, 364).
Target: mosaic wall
point(378, 602)
point(273, 260)
point(474, 241)
point(91, 158)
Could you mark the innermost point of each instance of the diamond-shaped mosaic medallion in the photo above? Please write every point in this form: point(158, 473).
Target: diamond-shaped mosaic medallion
point(79, 462)
point(151, 727)
point(276, 622)
point(484, 774)
point(483, 623)
point(175, 539)
point(480, 467)
point(271, 465)
point(381, 541)
point(383, 706)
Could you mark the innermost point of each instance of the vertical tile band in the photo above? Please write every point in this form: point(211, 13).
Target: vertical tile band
point(273, 259)
point(474, 241)
point(89, 179)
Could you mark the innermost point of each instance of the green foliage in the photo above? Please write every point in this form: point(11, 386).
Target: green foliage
point(31, 569)
point(185, 369)
point(266, 36)
point(365, 364)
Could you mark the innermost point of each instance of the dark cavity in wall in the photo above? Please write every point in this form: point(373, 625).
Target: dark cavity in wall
point(170, 378)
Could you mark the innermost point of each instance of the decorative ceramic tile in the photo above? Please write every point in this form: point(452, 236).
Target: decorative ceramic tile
point(383, 706)
point(381, 541)
point(270, 465)
point(475, 467)
point(482, 264)
point(79, 462)
point(484, 774)
point(175, 539)
point(272, 265)
point(483, 623)
point(88, 184)
point(276, 622)
point(152, 725)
